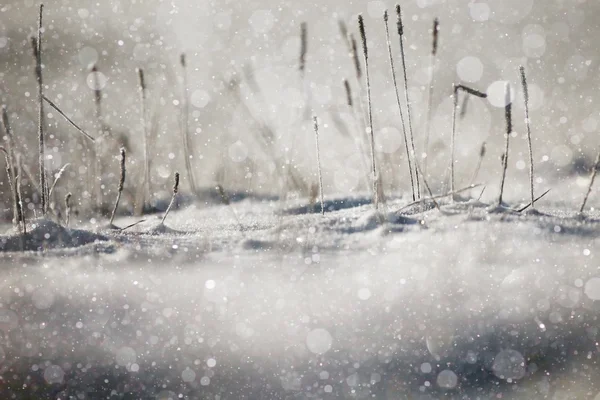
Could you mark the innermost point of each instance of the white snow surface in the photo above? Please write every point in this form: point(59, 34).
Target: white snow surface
point(264, 300)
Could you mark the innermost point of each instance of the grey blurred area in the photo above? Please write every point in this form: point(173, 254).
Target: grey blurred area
point(245, 86)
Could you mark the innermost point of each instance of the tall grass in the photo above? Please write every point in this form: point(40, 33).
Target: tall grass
point(175, 191)
point(508, 119)
point(400, 27)
point(363, 35)
point(122, 171)
point(394, 80)
point(432, 66)
point(528, 124)
point(146, 139)
point(37, 50)
point(185, 128)
point(316, 128)
point(10, 147)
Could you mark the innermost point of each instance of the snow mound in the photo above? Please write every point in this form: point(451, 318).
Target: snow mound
point(44, 234)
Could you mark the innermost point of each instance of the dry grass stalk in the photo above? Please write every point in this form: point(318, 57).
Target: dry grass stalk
point(142, 92)
point(400, 27)
point(528, 124)
point(20, 196)
point(175, 191)
point(316, 127)
point(121, 185)
point(11, 161)
point(185, 129)
point(37, 50)
point(432, 65)
point(69, 120)
point(98, 148)
point(394, 80)
point(508, 118)
point(363, 35)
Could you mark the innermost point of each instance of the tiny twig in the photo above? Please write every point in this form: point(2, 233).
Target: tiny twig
point(84, 133)
point(532, 202)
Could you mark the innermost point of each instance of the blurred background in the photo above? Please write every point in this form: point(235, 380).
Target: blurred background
point(250, 107)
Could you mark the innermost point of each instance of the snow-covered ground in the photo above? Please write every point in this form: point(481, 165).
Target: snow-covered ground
point(260, 300)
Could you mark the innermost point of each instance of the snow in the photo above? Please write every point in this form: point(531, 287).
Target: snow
point(312, 300)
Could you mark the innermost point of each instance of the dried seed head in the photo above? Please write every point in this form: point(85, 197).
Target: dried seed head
point(482, 150)
point(6, 122)
point(176, 185)
point(363, 35)
point(122, 178)
point(68, 199)
point(303, 46)
point(348, 93)
point(316, 124)
point(436, 30)
point(34, 47)
point(343, 30)
point(385, 16)
point(399, 20)
point(141, 78)
point(182, 60)
point(357, 66)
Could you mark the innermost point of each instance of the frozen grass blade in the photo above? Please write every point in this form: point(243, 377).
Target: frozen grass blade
point(534, 200)
point(69, 120)
point(185, 130)
point(175, 191)
point(121, 185)
point(400, 27)
point(432, 65)
point(316, 126)
point(528, 124)
point(355, 58)
point(394, 80)
point(363, 35)
point(508, 118)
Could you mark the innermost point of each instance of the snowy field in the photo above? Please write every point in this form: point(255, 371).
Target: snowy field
point(248, 291)
point(259, 301)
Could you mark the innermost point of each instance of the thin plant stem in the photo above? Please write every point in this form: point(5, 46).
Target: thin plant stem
point(482, 152)
point(316, 126)
point(38, 72)
point(11, 161)
point(508, 118)
point(69, 120)
point(592, 179)
point(185, 130)
point(361, 25)
point(394, 80)
point(528, 124)
point(121, 185)
point(142, 93)
point(432, 65)
point(406, 95)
